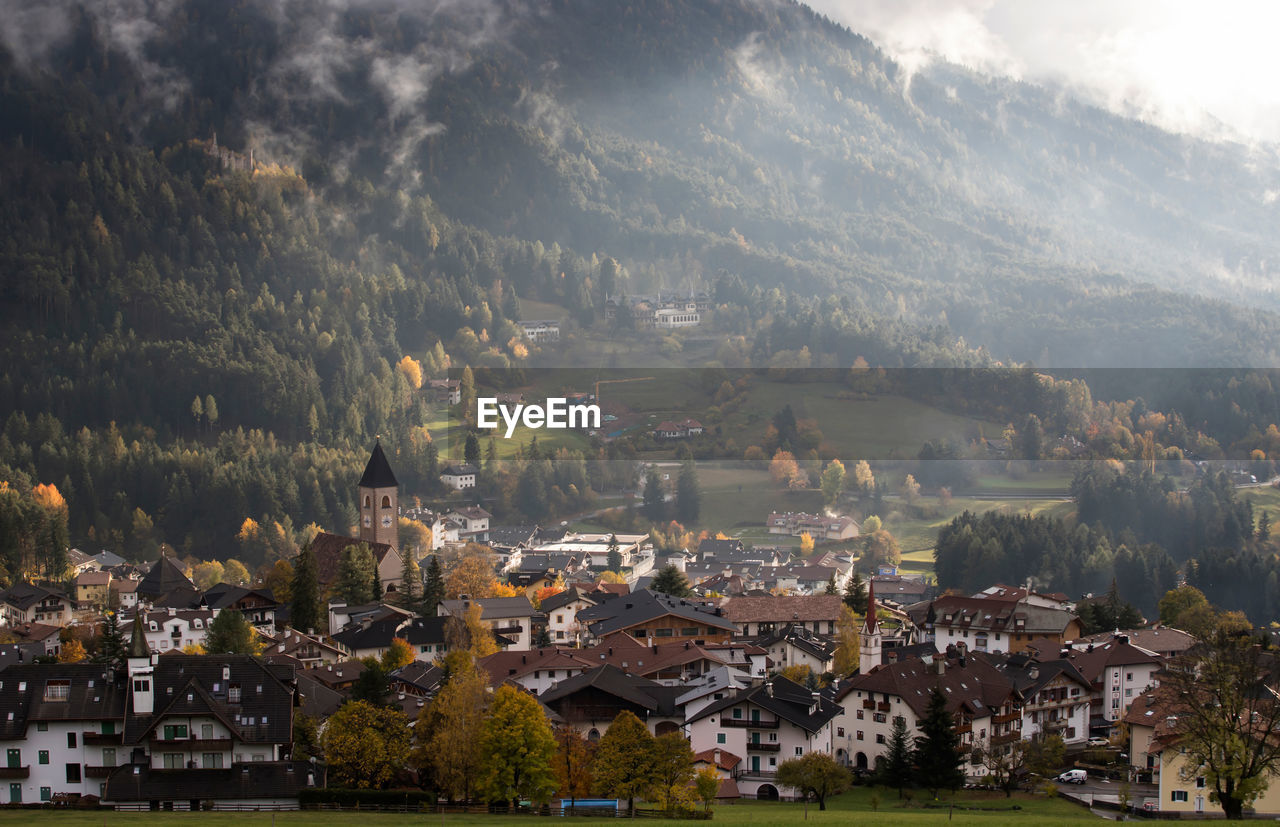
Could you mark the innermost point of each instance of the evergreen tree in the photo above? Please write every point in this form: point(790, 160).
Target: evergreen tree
point(855, 594)
point(371, 685)
point(356, 573)
point(831, 585)
point(111, 647)
point(938, 757)
point(655, 505)
point(688, 494)
point(410, 578)
point(670, 580)
point(471, 450)
point(1264, 527)
point(896, 769)
point(304, 610)
point(615, 554)
point(231, 633)
point(433, 588)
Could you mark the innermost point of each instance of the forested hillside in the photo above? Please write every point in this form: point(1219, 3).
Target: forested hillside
point(236, 238)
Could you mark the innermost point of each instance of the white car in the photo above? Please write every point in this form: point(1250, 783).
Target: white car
point(1098, 742)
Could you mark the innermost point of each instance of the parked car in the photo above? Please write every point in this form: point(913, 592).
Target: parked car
point(1073, 777)
point(1098, 741)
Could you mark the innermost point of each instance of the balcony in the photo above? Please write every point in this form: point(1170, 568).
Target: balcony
point(868, 704)
point(883, 706)
point(754, 775)
point(1007, 738)
point(509, 630)
point(1006, 719)
point(963, 729)
point(97, 772)
point(15, 772)
point(1060, 723)
point(756, 746)
point(745, 724)
point(97, 739)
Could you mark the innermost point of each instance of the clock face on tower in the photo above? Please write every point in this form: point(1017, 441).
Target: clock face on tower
point(367, 522)
point(386, 521)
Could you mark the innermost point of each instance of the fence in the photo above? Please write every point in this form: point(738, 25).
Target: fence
point(589, 812)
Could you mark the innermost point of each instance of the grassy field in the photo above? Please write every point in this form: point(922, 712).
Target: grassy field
point(861, 806)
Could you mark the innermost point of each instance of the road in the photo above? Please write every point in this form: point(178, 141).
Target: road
point(1101, 788)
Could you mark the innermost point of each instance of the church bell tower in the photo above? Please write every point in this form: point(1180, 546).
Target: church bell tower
point(379, 494)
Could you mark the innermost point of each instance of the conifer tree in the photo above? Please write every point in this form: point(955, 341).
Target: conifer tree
point(937, 750)
point(670, 580)
point(855, 594)
point(304, 611)
point(896, 769)
point(433, 588)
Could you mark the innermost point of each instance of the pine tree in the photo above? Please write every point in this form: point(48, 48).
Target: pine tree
point(615, 554)
point(670, 580)
point(688, 494)
point(304, 610)
point(937, 756)
point(896, 769)
point(471, 450)
point(1264, 527)
point(433, 589)
point(111, 647)
point(356, 573)
point(655, 505)
point(410, 578)
point(831, 585)
point(855, 594)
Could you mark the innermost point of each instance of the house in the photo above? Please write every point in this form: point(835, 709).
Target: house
point(340, 614)
point(759, 616)
point(1056, 697)
point(1118, 671)
point(27, 603)
point(257, 605)
point(448, 391)
point(768, 724)
point(817, 526)
point(540, 331)
point(682, 429)
point(309, 650)
point(337, 677)
point(561, 610)
point(124, 593)
point(474, 522)
point(593, 549)
point(657, 618)
point(589, 701)
point(79, 562)
point(1160, 640)
point(170, 630)
point(510, 617)
point(711, 547)
point(999, 623)
point(901, 589)
point(460, 477)
point(93, 588)
point(42, 636)
point(107, 559)
point(797, 646)
point(536, 670)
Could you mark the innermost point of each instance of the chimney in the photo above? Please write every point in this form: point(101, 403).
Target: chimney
point(717, 757)
point(768, 689)
point(1034, 673)
point(940, 663)
point(1065, 652)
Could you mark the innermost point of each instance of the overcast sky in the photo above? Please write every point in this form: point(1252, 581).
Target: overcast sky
point(1187, 65)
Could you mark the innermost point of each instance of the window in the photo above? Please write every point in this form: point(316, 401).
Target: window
point(141, 685)
point(109, 756)
point(1179, 795)
point(15, 759)
point(1128, 676)
point(719, 737)
point(662, 632)
point(559, 618)
point(879, 717)
point(839, 732)
point(233, 693)
point(73, 773)
point(737, 712)
point(57, 690)
point(1200, 783)
point(44, 756)
point(773, 737)
point(879, 737)
point(211, 760)
point(860, 735)
point(799, 750)
point(42, 726)
point(689, 631)
point(174, 761)
point(71, 740)
point(175, 732)
point(859, 714)
point(46, 793)
point(206, 731)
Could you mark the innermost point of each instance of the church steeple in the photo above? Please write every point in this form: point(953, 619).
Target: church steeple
point(379, 497)
point(141, 670)
point(869, 644)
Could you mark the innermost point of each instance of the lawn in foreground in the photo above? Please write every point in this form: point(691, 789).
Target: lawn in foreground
point(855, 806)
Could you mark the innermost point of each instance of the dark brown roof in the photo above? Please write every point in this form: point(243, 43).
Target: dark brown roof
point(328, 550)
point(164, 577)
point(259, 779)
point(377, 473)
point(94, 693)
point(805, 608)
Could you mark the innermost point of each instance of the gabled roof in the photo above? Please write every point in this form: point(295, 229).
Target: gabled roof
point(492, 608)
point(977, 687)
point(165, 576)
point(224, 594)
point(815, 645)
point(612, 681)
point(561, 599)
point(23, 595)
point(377, 473)
point(328, 550)
point(94, 692)
point(376, 635)
point(786, 699)
point(644, 606)
point(783, 609)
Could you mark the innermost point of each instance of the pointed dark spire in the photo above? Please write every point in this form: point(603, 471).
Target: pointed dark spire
point(138, 647)
point(378, 474)
point(870, 624)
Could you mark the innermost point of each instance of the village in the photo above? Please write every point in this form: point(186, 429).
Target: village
point(753, 655)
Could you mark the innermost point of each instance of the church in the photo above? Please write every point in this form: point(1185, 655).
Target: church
point(379, 501)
